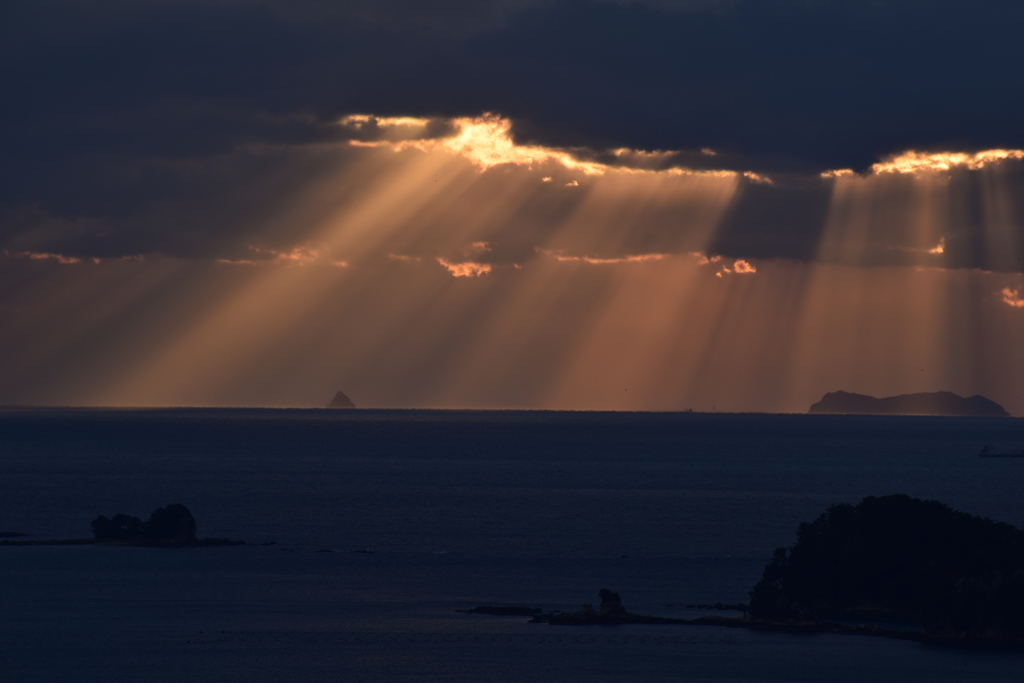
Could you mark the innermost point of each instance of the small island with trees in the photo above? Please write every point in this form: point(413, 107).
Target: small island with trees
point(169, 526)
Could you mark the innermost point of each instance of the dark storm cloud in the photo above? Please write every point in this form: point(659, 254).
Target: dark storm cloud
point(832, 84)
point(108, 103)
point(826, 84)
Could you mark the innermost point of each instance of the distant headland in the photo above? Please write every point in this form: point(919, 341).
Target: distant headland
point(938, 403)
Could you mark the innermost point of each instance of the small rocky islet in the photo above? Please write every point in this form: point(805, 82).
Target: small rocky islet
point(341, 400)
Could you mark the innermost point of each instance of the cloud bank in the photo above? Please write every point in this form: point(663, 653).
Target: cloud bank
point(187, 127)
point(266, 203)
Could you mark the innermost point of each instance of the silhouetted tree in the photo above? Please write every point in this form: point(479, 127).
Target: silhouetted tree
point(171, 524)
point(767, 599)
point(611, 603)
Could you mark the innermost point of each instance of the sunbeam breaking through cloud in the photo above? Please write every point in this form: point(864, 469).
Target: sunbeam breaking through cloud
point(439, 262)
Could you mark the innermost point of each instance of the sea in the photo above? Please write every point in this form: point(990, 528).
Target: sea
point(367, 531)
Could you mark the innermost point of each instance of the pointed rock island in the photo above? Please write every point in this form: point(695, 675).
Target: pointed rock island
point(341, 401)
point(943, 403)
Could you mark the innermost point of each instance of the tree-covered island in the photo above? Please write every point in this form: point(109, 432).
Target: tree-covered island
point(170, 526)
point(900, 559)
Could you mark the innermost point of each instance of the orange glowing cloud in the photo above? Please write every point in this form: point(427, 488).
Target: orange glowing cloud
point(838, 173)
point(1012, 298)
point(50, 256)
point(404, 258)
point(486, 141)
point(756, 178)
point(632, 258)
point(938, 250)
point(469, 267)
point(297, 256)
point(59, 258)
point(361, 120)
point(739, 266)
point(704, 259)
point(390, 127)
point(466, 268)
point(916, 163)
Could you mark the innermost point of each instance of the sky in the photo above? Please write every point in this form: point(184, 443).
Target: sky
point(731, 205)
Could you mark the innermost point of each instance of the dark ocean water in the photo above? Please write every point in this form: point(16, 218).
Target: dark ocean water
point(458, 509)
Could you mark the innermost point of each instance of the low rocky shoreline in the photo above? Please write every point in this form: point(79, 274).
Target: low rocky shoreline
point(199, 542)
point(809, 627)
point(611, 613)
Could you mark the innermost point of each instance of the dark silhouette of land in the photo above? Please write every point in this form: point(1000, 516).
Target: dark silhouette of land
point(610, 611)
point(937, 403)
point(340, 400)
point(887, 560)
point(169, 526)
point(503, 610)
point(897, 558)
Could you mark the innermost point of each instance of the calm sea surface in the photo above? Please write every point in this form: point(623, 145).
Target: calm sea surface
point(368, 529)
